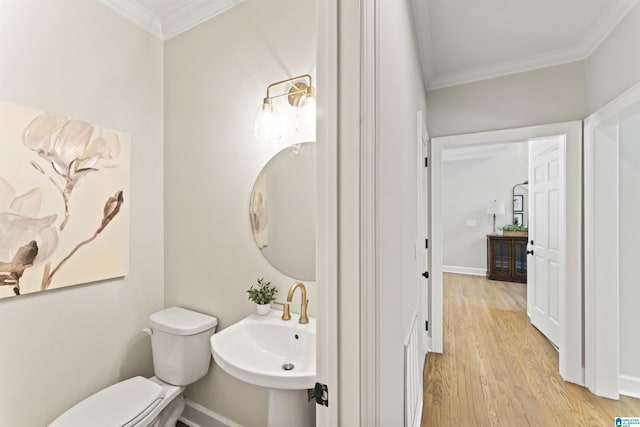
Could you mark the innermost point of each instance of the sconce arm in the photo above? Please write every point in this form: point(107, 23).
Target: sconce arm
point(302, 76)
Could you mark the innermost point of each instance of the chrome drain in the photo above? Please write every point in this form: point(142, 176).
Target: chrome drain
point(288, 366)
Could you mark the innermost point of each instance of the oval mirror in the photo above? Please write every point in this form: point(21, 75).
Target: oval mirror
point(282, 211)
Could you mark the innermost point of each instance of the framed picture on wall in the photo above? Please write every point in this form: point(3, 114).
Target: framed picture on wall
point(518, 218)
point(518, 201)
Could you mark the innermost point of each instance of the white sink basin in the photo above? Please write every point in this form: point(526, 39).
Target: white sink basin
point(257, 349)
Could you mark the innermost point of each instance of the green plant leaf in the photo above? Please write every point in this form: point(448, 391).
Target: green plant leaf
point(262, 292)
point(514, 227)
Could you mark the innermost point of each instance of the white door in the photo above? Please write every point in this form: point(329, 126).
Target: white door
point(422, 242)
point(545, 275)
point(416, 346)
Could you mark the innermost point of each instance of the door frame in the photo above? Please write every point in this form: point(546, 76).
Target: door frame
point(571, 336)
point(602, 242)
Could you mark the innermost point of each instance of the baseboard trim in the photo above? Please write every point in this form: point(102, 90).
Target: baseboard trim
point(418, 420)
point(629, 386)
point(196, 415)
point(464, 270)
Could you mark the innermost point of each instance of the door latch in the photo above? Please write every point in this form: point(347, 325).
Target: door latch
point(320, 393)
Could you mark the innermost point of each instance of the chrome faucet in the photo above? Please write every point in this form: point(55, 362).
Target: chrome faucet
point(303, 307)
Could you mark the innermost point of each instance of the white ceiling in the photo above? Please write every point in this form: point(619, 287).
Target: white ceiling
point(460, 41)
point(468, 40)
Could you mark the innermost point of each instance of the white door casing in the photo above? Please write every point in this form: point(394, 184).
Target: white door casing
point(601, 261)
point(327, 353)
point(436, 313)
point(571, 337)
point(602, 243)
point(545, 262)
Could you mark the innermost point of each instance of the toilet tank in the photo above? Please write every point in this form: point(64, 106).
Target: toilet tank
point(180, 344)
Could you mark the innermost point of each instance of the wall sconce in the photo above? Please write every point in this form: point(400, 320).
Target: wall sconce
point(301, 95)
point(495, 208)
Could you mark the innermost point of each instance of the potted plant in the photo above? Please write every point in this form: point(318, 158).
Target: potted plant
point(515, 230)
point(262, 294)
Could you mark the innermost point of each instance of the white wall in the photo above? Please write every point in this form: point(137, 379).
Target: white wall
point(615, 65)
point(548, 95)
point(401, 95)
point(80, 59)
point(216, 76)
point(629, 179)
point(467, 188)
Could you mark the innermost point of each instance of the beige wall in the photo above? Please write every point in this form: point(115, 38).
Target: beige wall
point(548, 95)
point(615, 65)
point(80, 59)
point(216, 76)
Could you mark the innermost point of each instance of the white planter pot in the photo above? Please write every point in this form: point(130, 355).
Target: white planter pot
point(263, 309)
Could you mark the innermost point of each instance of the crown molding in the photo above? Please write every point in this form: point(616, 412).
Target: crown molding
point(139, 15)
point(602, 28)
point(530, 63)
point(425, 46)
point(193, 14)
point(183, 19)
point(605, 25)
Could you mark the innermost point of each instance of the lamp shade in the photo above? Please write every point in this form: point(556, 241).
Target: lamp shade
point(496, 208)
point(267, 124)
point(306, 115)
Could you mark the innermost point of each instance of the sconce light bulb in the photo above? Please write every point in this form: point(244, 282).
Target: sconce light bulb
point(306, 115)
point(267, 122)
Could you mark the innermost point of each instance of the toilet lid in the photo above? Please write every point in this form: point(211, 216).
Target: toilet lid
point(180, 321)
point(119, 405)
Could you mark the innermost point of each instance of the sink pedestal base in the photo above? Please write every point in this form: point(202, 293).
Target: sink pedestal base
point(290, 408)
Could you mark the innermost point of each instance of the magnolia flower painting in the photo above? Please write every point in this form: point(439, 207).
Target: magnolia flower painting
point(64, 217)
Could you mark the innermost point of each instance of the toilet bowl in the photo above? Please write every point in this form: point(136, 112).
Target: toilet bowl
point(181, 356)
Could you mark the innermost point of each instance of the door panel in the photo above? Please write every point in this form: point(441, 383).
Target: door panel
point(540, 289)
point(546, 189)
point(554, 283)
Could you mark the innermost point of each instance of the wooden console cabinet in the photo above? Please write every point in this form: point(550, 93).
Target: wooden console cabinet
point(507, 258)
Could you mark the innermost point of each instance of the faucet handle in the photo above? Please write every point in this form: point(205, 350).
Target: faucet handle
point(286, 314)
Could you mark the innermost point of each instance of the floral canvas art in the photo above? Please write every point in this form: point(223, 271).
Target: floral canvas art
point(64, 188)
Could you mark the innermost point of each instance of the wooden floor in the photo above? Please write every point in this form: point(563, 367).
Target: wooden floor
point(498, 370)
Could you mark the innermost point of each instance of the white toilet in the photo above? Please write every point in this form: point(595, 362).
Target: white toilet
point(181, 355)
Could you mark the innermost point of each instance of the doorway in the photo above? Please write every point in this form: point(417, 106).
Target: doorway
point(571, 331)
point(612, 173)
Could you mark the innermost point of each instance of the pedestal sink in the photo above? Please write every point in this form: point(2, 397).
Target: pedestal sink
point(276, 354)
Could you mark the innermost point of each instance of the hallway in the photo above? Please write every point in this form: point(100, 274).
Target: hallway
point(497, 369)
